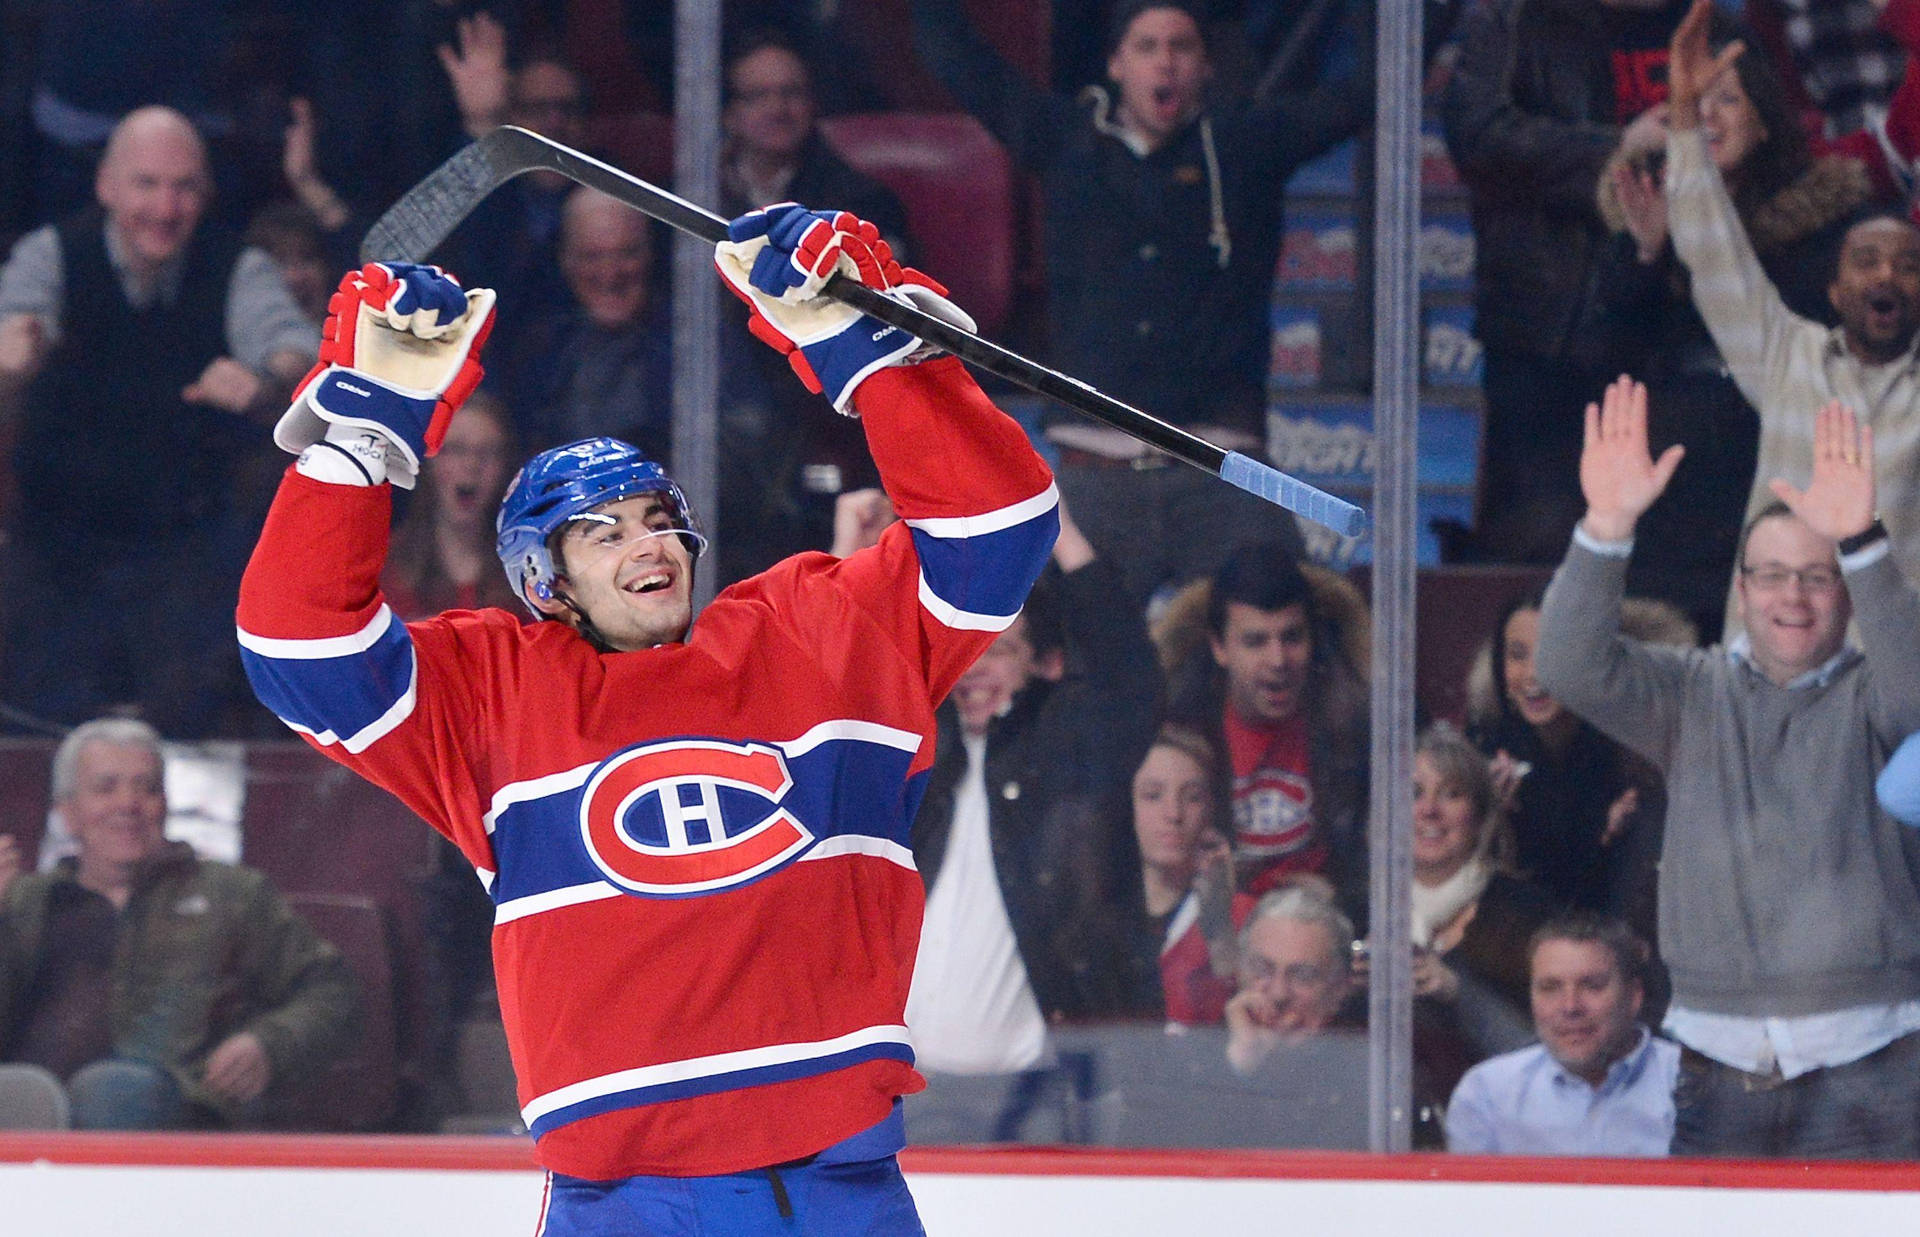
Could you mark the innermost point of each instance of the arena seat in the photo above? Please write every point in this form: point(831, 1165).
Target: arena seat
point(634, 140)
point(957, 185)
point(359, 1091)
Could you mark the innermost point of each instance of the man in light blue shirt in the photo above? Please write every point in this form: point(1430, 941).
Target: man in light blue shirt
point(1598, 1082)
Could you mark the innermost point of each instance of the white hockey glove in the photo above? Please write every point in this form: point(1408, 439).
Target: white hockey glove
point(778, 259)
point(401, 353)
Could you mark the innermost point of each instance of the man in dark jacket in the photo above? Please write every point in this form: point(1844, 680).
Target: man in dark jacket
point(166, 992)
point(140, 346)
point(1032, 876)
point(786, 468)
point(1535, 107)
point(1162, 230)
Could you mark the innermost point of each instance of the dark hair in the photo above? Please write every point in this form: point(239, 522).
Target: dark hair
point(283, 224)
point(1878, 214)
point(1126, 11)
point(1261, 574)
point(1630, 953)
point(758, 39)
point(1783, 155)
point(1532, 599)
point(1046, 628)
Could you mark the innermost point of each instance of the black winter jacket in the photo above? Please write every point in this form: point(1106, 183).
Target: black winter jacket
point(1058, 768)
point(1530, 120)
point(1159, 266)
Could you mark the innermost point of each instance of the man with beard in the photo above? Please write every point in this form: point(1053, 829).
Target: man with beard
point(1788, 366)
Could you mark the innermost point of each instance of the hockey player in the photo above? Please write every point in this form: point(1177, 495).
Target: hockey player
point(695, 835)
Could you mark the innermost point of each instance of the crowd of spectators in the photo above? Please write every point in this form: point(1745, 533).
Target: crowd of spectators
point(1655, 900)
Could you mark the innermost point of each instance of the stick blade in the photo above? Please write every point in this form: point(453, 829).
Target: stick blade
point(1268, 482)
point(415, 226)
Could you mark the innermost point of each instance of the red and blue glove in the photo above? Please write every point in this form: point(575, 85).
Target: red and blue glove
point(778, 259)
point(400, 353)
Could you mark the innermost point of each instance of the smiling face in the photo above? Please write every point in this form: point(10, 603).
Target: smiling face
point(1517, 641)
point(1266, 654)
point(1161, 68)
point(153, 185)
point(1791, 598)
point(1446, 824)
point(629, 573)
point(1172, 805)
point(1584, 1009)
point(117, 809)
point(1730, 122)
point(1876, 290)
point(987, 688)
point(606, 256)
point(1297, 966)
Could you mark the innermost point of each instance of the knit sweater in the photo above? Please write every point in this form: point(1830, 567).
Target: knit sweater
point(1787, 366)
point(1784, 889)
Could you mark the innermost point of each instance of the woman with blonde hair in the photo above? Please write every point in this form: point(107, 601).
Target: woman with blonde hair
point(1472, 918)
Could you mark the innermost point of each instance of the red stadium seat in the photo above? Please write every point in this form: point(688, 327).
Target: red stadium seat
point(957, 186)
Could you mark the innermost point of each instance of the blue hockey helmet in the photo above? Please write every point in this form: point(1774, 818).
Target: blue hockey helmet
point(563, 483)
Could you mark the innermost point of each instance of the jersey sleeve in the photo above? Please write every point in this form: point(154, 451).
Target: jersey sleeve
point(325, 653)
point(978, 517)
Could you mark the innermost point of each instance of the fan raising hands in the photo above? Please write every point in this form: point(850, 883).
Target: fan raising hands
point(1618, 474)
point(1838, 502)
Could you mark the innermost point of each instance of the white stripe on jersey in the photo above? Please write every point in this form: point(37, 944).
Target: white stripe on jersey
point(960, 526)
point(862, 844)
point(961, 620)
point(375, 730)
point(322, 648)
point(706, 1067)
point(864, 732)
point(553, 900)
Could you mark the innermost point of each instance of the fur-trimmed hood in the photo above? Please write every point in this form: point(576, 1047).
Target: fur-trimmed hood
point(1181, 632)
point(1832, 188)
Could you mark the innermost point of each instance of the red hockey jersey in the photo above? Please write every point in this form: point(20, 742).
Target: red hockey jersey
point(706, 911)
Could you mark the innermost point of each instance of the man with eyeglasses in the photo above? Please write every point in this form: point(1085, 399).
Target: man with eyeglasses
point(1289, 1069)
point(1789, 916)
point(1296, 976)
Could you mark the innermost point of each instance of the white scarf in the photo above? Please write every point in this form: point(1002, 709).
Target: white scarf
point(1436, 906)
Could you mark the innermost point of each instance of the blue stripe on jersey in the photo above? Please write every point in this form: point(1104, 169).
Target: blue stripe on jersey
point(985, 565)
point(349, 690)
point(840, 787)
point(709, 1084)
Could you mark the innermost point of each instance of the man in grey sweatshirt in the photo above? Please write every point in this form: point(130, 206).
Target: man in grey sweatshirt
point(1789, 901)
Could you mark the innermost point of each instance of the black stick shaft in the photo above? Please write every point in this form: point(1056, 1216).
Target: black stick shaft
point(424, 217)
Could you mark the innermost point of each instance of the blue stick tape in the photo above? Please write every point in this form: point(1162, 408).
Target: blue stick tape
point(1295, 495)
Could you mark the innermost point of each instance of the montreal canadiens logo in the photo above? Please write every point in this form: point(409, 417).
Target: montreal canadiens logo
point(689, 816)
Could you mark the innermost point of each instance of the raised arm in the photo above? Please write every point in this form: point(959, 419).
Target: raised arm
point(1628, 690)
point(319, 643)
point(1027, 120)
point(977, 506)
point(1749, 322)
point(1839, 505)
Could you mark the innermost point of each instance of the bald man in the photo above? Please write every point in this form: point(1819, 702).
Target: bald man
point(140, 351)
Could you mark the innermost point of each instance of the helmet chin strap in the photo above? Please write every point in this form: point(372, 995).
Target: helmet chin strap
point(584, 625)
point(581, 623)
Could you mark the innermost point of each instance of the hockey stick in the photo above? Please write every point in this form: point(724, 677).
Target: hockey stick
point(424, 216)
